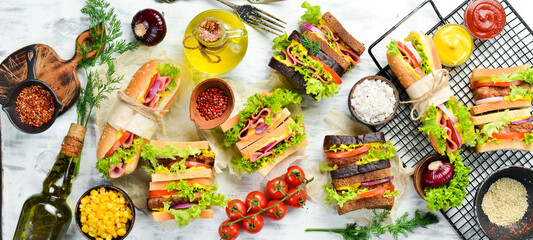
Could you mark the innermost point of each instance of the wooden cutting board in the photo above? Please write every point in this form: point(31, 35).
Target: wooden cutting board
point(61, 75)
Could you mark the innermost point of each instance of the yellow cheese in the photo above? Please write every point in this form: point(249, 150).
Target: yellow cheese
point(356, 185)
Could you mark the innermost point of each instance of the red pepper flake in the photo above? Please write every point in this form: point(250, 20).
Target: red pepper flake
point(212, 103)
point(35, 105)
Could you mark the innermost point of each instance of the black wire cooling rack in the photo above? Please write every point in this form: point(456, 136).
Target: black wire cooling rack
point(513, 46)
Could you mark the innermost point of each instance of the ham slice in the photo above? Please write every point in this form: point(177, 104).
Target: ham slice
point(452, 141)
point(267, 152)
point(407, 54)
point(129, 141)
point(116, 171)
point(349, 53)
point(165, 82)
point(334, 37)
point(257, 120)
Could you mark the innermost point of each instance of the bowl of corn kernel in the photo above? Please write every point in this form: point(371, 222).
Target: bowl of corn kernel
point(105, 212)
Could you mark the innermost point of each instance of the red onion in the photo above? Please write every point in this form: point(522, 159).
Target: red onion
point(153, 91)
point(409, 45)
point(437, 174)
point(491, 99)
point(523, 120)
point(448, 113)
point(308, 26)
point(149, 27)
point(266, 147)
point(377, 182)
point(183, 205)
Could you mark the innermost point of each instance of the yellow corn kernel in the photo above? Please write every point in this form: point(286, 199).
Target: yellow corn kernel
point(93, 192)
point(85, 228)
point(121, 232)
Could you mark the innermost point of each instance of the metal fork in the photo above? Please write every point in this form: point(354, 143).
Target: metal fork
point(264, 1)
point(257, 17)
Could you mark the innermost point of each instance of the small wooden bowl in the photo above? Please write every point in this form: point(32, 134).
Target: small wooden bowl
point(107, 187)
point(374, 77)
point(200, 88)
point(419, 170)
point(523, 228)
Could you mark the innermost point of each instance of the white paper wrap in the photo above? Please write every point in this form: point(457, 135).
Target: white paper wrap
point(122, 116)
point(425, 85)
point(339, 124)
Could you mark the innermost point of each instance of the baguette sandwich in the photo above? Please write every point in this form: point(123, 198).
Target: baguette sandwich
point(413, 59)
point(511, 129)
point(155, 85)
point(501, 88)
point(181, 188)
point(360, 170)
point(264, 132)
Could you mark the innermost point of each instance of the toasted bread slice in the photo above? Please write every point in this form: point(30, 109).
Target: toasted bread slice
point(189, 174)
point(359, 178)
point(181, 145)
point(370, 203)
point(164, 216)
point(506, 144)
point(491, 117)
point(266, 169)
point(190, 182)
point(284, 114)
point(324, 46)
point(341, 32)
point(274, 133)
point(493, 106)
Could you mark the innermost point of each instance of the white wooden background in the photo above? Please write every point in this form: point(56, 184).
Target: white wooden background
point(58, 22)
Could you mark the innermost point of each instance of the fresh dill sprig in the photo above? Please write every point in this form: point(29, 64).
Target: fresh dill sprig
point(402, 226)
point(101, 49)
point(312, 47)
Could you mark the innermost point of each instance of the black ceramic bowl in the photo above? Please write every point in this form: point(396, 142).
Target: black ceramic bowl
point(10, 106)
point(129, 203)
point(523, 229)
point(380, 78)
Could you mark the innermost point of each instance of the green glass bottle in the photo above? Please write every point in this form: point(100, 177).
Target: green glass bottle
point(46, 215)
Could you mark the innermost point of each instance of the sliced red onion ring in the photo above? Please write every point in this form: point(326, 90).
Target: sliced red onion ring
point(377, 182)
point(308, 26)
point(183, 205)
point(409, 45)
point(448, 113)
point(262, 129)
point(523, 120)
point(151, 93)
point(491, 99)
point(270, 144)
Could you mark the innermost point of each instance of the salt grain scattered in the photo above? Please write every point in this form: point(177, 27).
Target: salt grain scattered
point(373, 101)
point(505, 202)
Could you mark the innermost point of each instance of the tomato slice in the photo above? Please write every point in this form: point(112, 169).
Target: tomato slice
point(512, 135)
point(411, 57)
point(190, 164)
point(344, 154)
point(118, 143)
point(495, 84)
point(334, 75)
point(161, 193)
point(376, 192)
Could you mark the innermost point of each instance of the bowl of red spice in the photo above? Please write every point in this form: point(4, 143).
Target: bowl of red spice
point(211, 103)
point(32, 106)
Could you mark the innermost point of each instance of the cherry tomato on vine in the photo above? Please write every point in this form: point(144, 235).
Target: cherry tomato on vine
point(255, 201)
point(297, 200)
point(295, 176)
point(253, 224)
point(278, 212)
point(277, 188)
point(228, 232)
point(235, 209)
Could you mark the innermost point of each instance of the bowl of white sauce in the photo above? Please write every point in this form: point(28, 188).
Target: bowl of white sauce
point(373, 100)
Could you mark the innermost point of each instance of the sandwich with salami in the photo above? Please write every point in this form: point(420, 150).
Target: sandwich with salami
point(181, 188)
point(360, 171)
point(264, 131)
point(501, 88)
point(511, 129)
point(154, 85)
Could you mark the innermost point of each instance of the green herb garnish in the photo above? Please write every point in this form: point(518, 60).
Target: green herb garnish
point(312, 47)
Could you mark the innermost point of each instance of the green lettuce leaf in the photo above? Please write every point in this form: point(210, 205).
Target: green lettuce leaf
point(312, 15)
point(375, 153)
point(464, 125)
point(150, 153)
point(347, 195)
point(519, 93)
point(209, 197)
point(120, 155)
point(278, 99)
point(344, 147)
point(453, 193)
point(241, 164)
point(166, 69)
point(494, 127)
point(280, 43)
point(431, 126)
point(388, 193)
point(325, 167)
point(393, 48)
point(526, 75)
point(528, 139)
point(424, 60)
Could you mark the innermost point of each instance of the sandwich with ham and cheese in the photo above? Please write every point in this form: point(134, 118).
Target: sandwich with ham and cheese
point(264, 131)
point(155, 85)
point(501, 88)
point(181, 188)
point(360, 171)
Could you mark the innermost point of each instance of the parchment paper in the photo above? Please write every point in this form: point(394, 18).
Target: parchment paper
point(339, 124)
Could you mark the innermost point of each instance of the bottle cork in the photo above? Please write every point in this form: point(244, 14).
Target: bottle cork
point(73, 142)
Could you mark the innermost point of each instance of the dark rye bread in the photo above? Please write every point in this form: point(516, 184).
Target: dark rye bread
point(359, 169)
point(360, 178)
point(324, 46)
point(341, 32)
point(323, 57)
point(372, 202)
point(330, 140)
